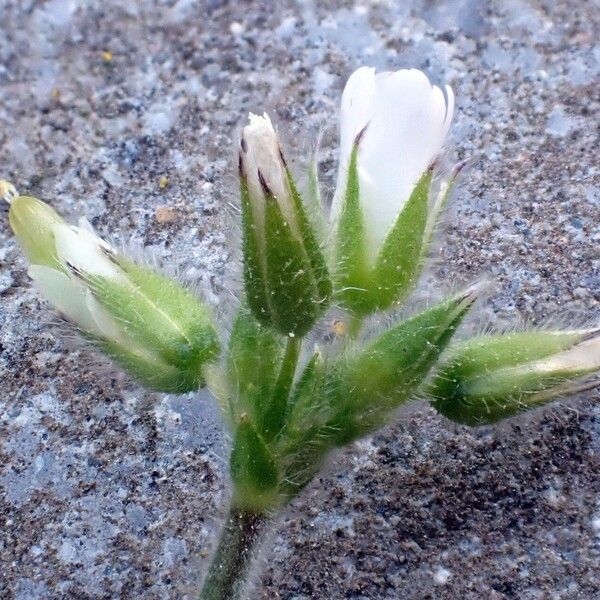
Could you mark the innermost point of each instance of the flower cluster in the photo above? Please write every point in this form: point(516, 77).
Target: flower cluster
point(287, 406)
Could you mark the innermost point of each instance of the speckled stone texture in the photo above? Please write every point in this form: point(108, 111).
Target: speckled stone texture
point(108, 492)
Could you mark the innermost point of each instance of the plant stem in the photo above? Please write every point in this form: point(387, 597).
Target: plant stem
point(229, 568)
point(283, 385)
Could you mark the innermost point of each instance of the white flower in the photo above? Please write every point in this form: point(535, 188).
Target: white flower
point(262, 159)
point(407, 120)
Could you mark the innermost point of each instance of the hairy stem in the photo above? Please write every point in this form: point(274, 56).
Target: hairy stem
point(228, 572)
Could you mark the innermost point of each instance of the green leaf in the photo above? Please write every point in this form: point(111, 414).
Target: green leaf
point(253, 362)
point(254, 267)
point(353, 277)
point(290, 281)
point(400, 258)
point(253, 469)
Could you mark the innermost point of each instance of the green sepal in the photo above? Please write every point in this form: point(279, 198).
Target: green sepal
point(253, 469)
point(290, 281)
point(159, 314)
point(31, 221)
point(400, 259)
point(354, 280)
point(312, 247)
point(253, 360)
point(254, 268)
point(390, 369)
point(489, 378)
point(152, 371)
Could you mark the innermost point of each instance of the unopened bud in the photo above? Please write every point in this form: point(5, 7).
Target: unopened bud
point(150, 325)
point(489, 378)
point(286, 278)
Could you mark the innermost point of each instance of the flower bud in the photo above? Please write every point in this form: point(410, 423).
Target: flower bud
point(489, 378)
point(286, 278)
point(393, 126)
point(151, 326)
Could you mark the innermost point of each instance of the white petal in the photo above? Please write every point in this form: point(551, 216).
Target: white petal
point(104, 322)
point(584, 356)
point(355, 113)
point(357, 107)
point(408, 119)
point(85, 251)
point(262, 153)
point(66, 295)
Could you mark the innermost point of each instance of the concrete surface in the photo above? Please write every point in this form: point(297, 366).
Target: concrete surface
point(108, 492)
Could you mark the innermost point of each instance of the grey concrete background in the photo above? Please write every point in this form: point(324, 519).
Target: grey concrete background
point(106, 492)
